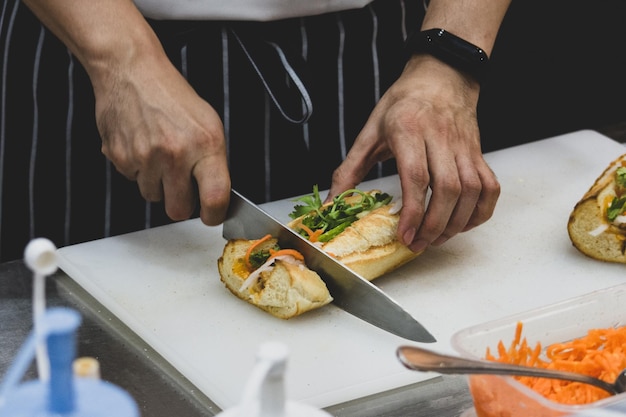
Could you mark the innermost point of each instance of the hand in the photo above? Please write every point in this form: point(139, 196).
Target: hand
point(427, 121)
point(157, 131)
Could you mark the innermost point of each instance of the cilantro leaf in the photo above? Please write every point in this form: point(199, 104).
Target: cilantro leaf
point(311, 203)
point(617, 207)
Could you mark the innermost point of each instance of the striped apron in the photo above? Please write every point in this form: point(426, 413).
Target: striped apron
point(293, 94)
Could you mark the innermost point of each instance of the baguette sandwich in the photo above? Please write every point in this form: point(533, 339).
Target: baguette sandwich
point(357, 228)
point(597, 224)
point(275, 280)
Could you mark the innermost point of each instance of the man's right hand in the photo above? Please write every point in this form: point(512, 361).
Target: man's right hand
point(157, 131)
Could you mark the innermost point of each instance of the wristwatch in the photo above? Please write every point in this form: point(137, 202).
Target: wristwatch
point(449, 48)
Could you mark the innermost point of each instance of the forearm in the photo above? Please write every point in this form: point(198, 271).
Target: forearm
point(104, 35)
point(476, 21)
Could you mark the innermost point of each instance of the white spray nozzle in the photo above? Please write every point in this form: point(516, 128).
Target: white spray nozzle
point(264, 393)
point(41, 257)
point(276, 354)
point(265, 384)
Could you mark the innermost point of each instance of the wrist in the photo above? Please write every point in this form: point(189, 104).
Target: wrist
point(450, 49)
point(431, 76)
point(108, 37)
point(109, 60)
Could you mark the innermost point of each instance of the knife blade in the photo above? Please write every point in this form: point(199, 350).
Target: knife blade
point(351, 292)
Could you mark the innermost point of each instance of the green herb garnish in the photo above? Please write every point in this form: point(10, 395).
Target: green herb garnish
point(259, 257)
point(617, 207)
point(336, 217)
point(620, 176)
point(311, 202)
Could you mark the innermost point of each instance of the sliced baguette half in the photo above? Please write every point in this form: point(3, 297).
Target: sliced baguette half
point(588, 227)
point(285, 291)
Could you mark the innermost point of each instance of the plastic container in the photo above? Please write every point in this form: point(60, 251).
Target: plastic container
point(500, 396)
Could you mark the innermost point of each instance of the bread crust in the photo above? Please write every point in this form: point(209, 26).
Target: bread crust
point(369, 246)
point(286, 291)
point(588, 229)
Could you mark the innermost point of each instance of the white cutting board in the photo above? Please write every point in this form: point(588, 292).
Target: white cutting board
point(163, 283)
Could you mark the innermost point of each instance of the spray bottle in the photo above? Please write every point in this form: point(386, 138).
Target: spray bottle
point(57, 391)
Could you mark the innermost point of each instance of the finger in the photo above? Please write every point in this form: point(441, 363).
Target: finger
point(471, 187)
point(488, 199)
point(150, 186)
point(446, 191)
point(412, 215)
point(148, 177)
point(179, 193)
point(214, 184)
point(414, 180)
point(443, 177)
point(120, 161)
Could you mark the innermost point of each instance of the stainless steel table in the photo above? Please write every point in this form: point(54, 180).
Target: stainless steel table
point(159, 389)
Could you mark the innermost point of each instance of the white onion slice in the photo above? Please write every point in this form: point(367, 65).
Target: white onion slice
point(599, 230)
point(267, 266)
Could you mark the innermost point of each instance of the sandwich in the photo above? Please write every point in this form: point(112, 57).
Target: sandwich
point(358, 228)
point(273, 279)
point(597, 224)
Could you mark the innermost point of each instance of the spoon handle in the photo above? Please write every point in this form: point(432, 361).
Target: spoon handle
point(425, 360)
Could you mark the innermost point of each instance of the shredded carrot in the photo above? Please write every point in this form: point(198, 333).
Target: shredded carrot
point(601, 354)
point(252, 248)
point(313, 235)
point(281, 252)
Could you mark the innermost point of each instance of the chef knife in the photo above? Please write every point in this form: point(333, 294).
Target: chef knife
point(350, 291)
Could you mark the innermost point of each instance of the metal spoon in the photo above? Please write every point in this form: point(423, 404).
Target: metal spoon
point(424, 360)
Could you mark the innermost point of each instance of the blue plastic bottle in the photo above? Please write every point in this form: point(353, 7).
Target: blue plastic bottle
point(62, 394)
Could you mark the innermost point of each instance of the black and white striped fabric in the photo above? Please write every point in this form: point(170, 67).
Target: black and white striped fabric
point(293, 94)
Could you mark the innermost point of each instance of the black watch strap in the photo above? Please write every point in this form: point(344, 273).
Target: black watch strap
point(451, 49)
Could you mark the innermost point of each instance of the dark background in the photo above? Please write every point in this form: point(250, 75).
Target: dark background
point(557, 66)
